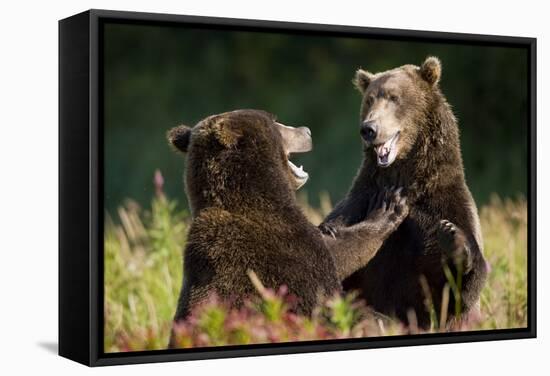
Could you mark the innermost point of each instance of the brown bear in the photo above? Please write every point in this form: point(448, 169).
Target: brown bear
point(411, 138)
point(240, 186)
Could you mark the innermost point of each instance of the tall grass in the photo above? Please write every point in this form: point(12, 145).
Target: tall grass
point(143, 275)
point(143, 269)
point(504, 299)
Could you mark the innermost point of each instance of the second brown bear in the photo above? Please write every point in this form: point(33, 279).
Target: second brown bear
point(411, 138)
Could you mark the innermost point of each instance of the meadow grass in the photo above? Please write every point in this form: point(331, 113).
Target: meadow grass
point(143, 275)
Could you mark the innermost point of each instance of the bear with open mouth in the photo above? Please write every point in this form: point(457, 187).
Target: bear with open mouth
point(411, 139)
point(241, 188)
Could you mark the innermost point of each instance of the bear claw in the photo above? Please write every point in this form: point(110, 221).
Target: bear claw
point(388, 205)
point(328, 230)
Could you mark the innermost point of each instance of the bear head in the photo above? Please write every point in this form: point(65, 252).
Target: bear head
point(240, 157)
point(396, 108)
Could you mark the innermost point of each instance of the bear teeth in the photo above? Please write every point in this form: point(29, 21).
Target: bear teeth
point(383, 150)
point(298, 171)
point(387, 152)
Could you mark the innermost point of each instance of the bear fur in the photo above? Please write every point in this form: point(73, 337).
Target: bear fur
point(240, 189)
point(411, 139)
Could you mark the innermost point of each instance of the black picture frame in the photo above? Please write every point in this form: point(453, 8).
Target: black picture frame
point(81, 189)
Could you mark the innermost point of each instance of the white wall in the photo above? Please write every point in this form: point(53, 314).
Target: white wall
point(28, 184)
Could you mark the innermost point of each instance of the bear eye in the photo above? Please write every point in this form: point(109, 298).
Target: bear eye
point(394, 98)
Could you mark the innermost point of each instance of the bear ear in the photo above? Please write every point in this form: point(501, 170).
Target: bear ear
point(362, 80)
point(179, 137)
point(227, 133)
point(431, 70)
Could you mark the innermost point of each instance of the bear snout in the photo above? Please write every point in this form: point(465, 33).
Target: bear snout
point(369, 130)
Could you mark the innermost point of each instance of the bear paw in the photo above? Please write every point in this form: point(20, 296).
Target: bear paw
point(453, 243)
point(389, 208)
point(446, 234)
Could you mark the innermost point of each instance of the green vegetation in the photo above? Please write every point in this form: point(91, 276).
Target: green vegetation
point(143, 274)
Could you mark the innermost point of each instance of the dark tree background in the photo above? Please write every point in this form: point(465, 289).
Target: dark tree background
point(157, 77)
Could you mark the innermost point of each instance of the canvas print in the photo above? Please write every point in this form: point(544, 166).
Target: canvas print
point(272, 186)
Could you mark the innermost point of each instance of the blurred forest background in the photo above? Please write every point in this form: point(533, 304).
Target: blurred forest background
point(156, 77)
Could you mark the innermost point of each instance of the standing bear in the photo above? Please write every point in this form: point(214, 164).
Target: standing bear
point(411, 138)
point(241, 187)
